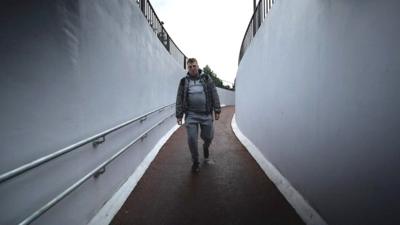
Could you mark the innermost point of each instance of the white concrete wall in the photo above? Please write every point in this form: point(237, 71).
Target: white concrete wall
point(318, 93)
point(226, 97)
point(68, 70)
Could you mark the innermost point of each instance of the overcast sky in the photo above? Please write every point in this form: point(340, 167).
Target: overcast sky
point(209, 30)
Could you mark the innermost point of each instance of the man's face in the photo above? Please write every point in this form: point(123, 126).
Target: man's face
point(193, 69)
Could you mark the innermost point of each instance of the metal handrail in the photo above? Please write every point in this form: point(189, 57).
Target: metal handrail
point(260, 12)
point(99, 169)
point(157, 25)
point(250, 25)
point(22, 169)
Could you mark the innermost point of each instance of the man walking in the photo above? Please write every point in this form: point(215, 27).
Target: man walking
point(197, 99)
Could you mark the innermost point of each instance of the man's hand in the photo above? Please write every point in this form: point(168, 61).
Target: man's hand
point(216, 116)
point(179, 121)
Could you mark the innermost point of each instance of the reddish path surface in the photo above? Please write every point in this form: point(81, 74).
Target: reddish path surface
point(234, 190)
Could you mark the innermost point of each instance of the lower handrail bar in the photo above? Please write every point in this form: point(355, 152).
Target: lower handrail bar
point(22, 169)
point(65, 193)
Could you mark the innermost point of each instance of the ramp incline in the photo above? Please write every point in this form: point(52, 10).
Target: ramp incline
point(232, 190)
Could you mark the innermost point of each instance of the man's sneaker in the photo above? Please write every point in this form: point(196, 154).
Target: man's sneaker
point(208, 161)
point(195, 168)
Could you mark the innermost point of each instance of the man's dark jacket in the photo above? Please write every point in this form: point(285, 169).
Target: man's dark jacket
point(212, 99)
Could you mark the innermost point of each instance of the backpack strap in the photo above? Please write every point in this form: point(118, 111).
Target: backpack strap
point(205, 77)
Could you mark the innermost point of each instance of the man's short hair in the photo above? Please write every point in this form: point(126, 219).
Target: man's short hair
point(191, 60)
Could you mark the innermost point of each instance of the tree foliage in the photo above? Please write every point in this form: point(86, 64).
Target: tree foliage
point(218, 82)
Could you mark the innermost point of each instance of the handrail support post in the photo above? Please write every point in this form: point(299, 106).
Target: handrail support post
point(99, 141)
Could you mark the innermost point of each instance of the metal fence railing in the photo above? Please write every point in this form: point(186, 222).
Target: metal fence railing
point(94, 140)
point(259, 15)
point(157, 25)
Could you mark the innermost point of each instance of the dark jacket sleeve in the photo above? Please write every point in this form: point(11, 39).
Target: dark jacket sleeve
point(179, 100)
point(215, 98)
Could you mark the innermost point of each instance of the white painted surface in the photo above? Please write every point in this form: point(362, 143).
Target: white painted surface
point(302, 207)
point(318, 93)
point(226, 97)
point(69, 70)
point(111, 208)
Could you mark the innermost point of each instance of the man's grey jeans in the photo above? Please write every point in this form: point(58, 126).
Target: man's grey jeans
point(192, 123)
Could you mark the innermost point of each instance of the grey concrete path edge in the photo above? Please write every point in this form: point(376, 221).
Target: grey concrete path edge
point(309, 215)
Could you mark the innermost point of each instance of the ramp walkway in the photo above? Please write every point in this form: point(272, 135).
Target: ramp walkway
point(232, 190)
